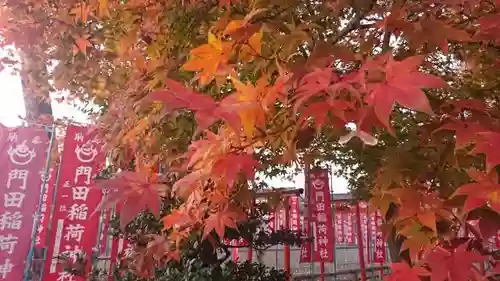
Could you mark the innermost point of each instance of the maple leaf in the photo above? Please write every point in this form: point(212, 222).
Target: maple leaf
point(486, 144)
point(248, 35)
point(135, 191)
point(81, 44)
point(218, 221)
point(401, 271)
point(457, 265)
point(465, 132)
point(230, 165)
point(253, 114)
point(209, 58)
point(416, 241)
point(484, 191)
point(402, 84)
point(207, 111)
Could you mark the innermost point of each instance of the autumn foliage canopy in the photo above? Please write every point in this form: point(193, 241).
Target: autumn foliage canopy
point(217, 91)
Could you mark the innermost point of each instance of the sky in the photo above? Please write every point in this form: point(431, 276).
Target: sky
point(12, 106)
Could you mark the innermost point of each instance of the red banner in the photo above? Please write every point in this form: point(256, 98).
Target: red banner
point(23, 154)
point(280, 222)
point(74, 231)
point(339, 225)
point(349, 229)
point(271, 222)
point(319, 203)
point(379, 252)
point(48, 194)
point(294, 213)
point(364, 222)
point(120, 248)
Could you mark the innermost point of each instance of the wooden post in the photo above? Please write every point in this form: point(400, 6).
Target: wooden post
point(361, 251)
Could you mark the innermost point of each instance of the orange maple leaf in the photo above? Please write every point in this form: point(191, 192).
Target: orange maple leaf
point(218, 221)
point(209, 58)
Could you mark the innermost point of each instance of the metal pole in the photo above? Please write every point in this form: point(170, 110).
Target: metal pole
point(307, 164)
point(31, 252)
point(286, 250)
point(334, 210)
point(361, 251)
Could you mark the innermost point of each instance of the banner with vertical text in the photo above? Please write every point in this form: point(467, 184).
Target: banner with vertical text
point(74, 231)
point(320, 216)
point(23, 154)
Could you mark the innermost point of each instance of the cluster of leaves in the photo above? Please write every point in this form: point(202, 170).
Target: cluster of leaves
point(218, 90)
point(209, 257)
point(195, 271)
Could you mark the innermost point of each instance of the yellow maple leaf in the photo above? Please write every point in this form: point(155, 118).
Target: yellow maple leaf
point(252, 48)
point(252, 113)
point(209, 58)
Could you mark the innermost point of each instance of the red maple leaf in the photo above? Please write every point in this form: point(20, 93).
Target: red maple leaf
point(402, 84)
point(484, 191)
point(457, 265)
point(230, 166)
point(218, 221)
point(486, 144)
point(207, 111)
point(135, 191)
point(401, 271)
point(465, 132)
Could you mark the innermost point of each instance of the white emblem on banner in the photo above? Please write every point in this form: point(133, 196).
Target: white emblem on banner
point(9, 220)
point(83, 171)
point(6, 268)
point(36, 140)
point(65, 276)
point(80, 193)
point(78, 212)
point(78, 136)
point(13, 199)
point(21, 175)
point(21, 154)
point(8, 243)
point(49, 174)
point(86, 152)
point(12, 137)
point(73, 252)
point(74, 231)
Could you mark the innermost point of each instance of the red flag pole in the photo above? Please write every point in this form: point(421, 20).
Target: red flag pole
point(286, 252)
point(322, 271)
point(362, 266)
